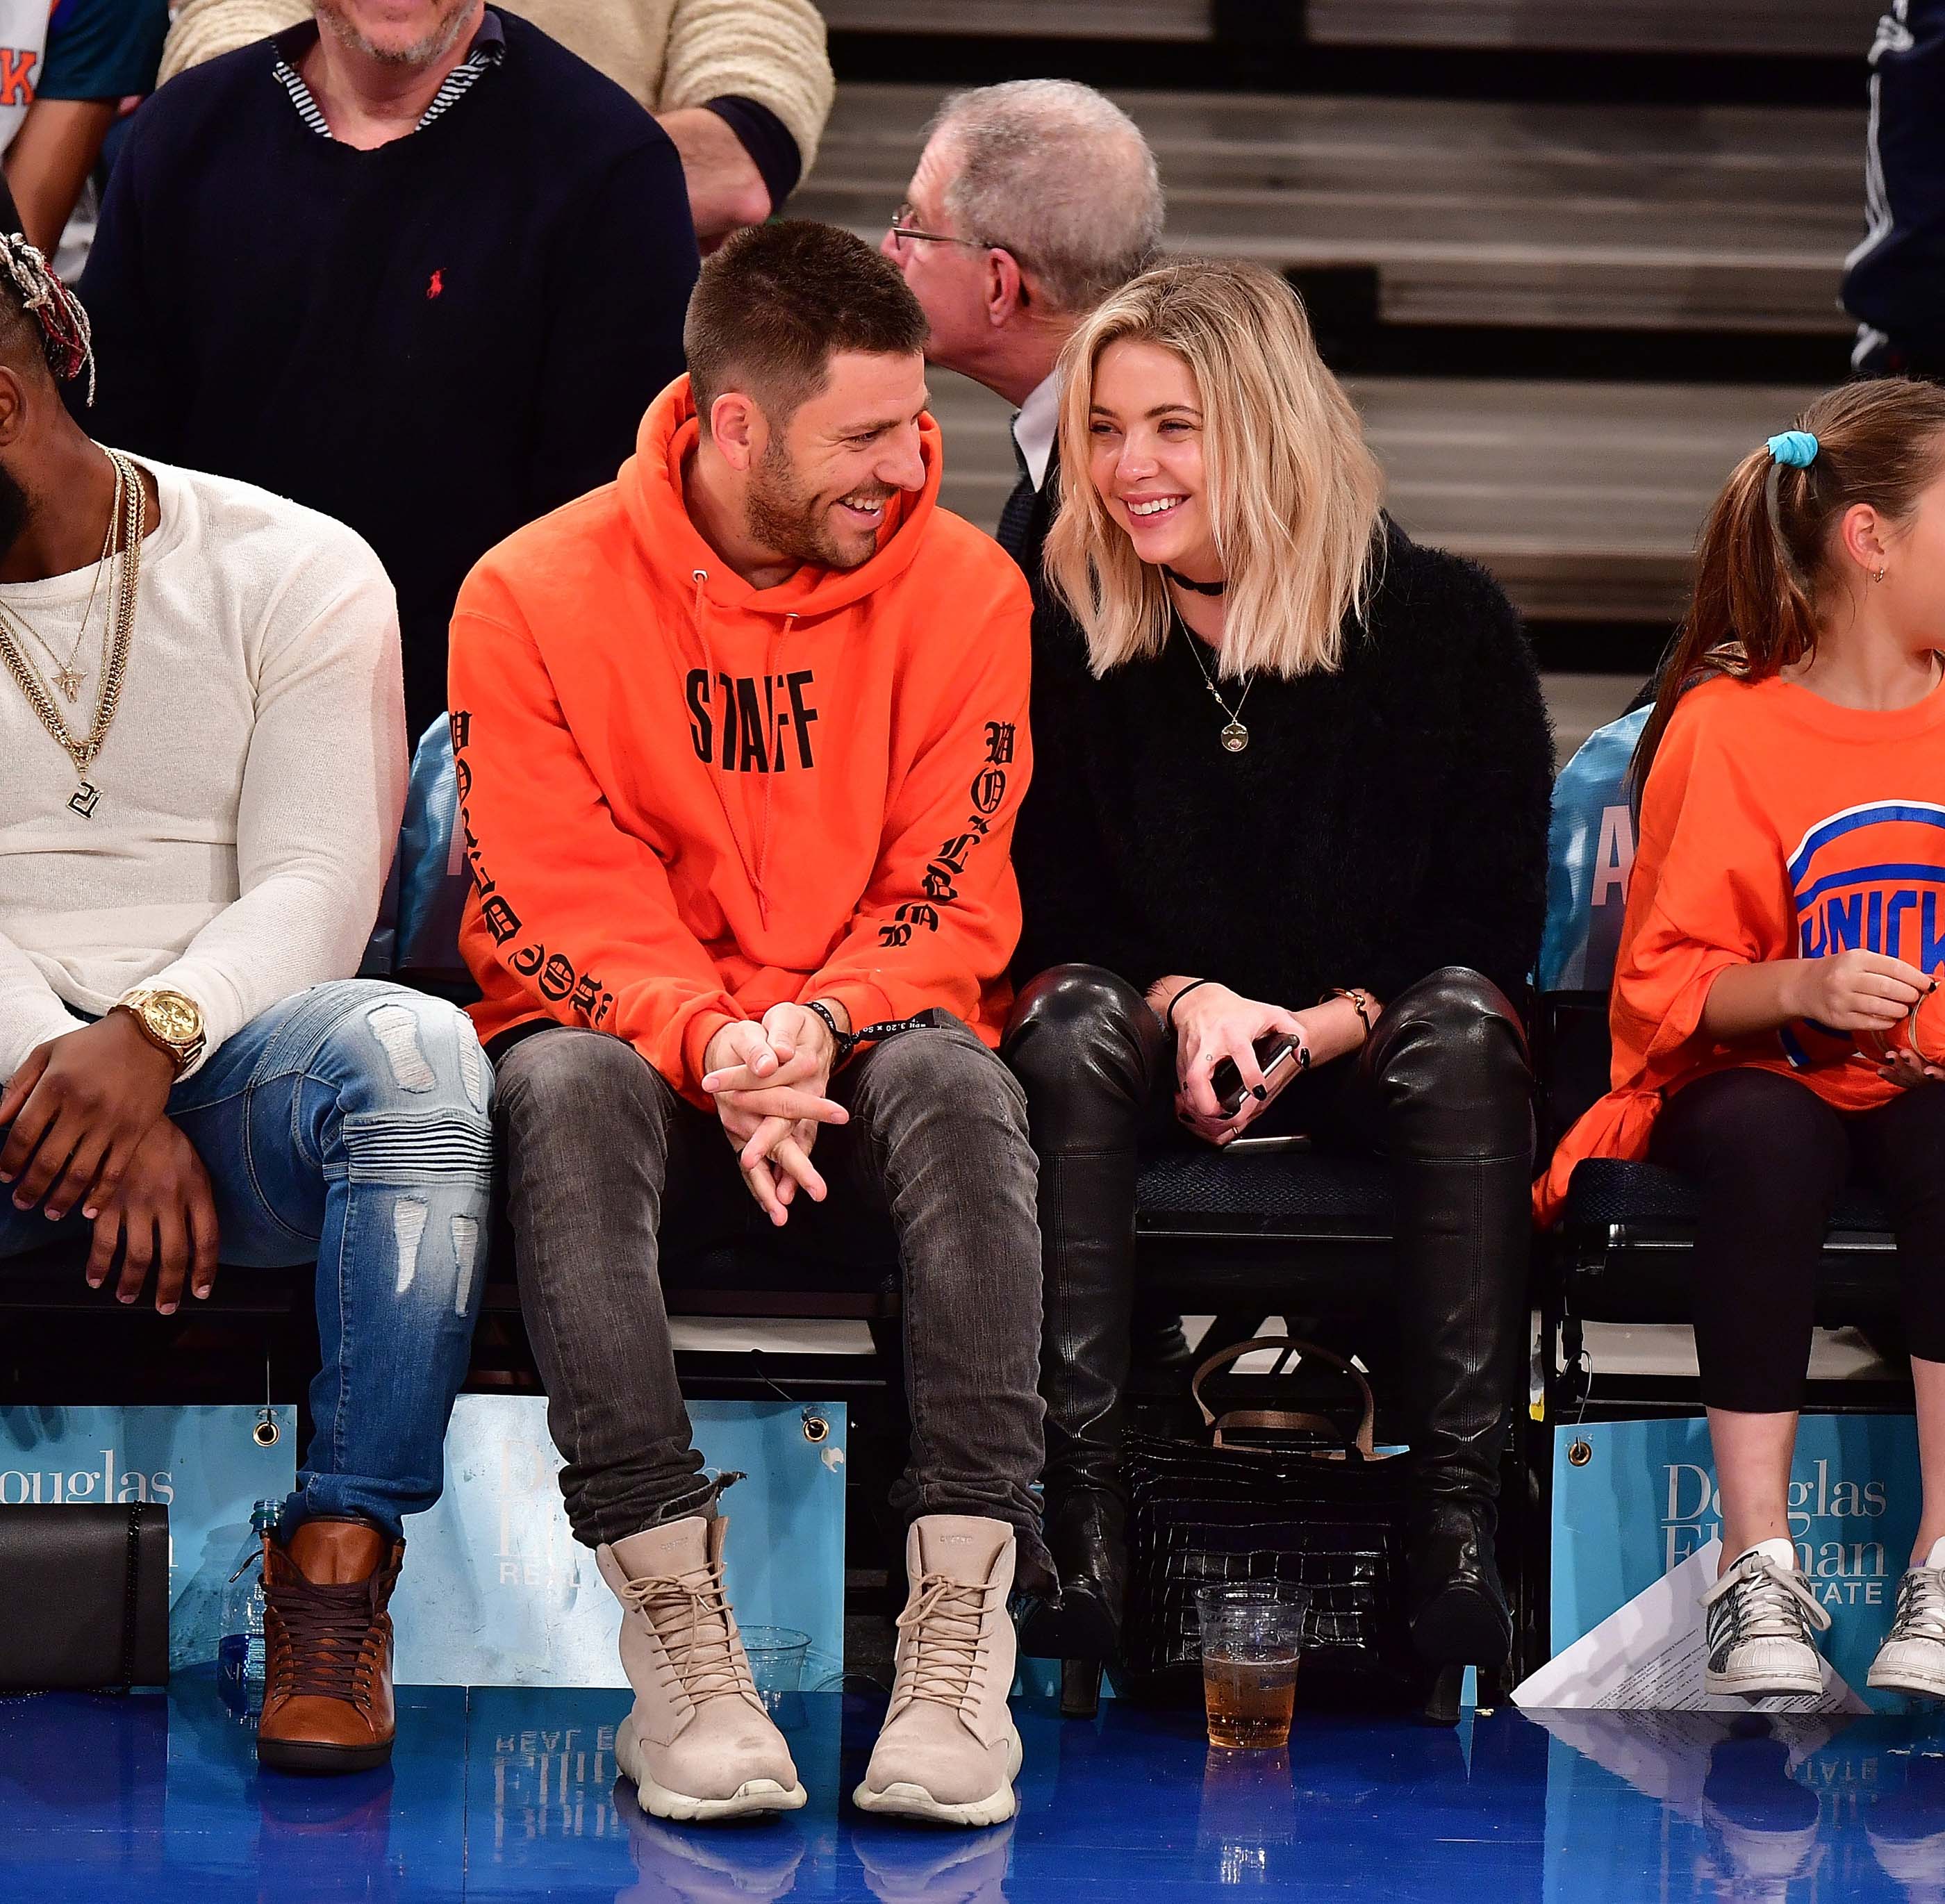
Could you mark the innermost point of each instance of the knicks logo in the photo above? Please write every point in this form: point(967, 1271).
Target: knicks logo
point(1872, 878)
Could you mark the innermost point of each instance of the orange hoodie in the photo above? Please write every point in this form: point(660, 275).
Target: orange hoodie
point(686, 799)
point(1774, 824)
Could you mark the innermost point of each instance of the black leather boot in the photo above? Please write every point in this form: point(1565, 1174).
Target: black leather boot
point(1448, 1062)
point(1087, 1049)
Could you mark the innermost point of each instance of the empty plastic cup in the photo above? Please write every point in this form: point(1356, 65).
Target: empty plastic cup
point(776, 1660)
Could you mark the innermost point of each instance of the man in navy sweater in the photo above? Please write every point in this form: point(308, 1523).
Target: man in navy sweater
point(415, 265)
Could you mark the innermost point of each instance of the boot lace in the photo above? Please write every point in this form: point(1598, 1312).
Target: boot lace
point(1760, 1601)
point(333, 1635)
point(1921, 1605)
point(944, 1620)
point(689, 1614)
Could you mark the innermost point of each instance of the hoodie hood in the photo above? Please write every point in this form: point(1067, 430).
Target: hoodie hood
point(650, 482)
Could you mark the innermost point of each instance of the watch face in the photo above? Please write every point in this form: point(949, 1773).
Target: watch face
point(172, 1016)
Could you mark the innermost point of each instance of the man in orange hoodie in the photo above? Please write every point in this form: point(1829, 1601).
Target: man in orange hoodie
point(740, 738)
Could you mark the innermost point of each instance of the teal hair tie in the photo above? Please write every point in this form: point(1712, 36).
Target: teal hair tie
point(1794, 449)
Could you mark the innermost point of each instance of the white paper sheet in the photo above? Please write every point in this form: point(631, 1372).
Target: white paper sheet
point(1650, 1656)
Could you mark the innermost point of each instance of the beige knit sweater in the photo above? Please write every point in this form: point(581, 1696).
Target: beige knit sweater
point(668, 53)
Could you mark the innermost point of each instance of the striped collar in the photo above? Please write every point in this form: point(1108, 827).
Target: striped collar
point(488, 48)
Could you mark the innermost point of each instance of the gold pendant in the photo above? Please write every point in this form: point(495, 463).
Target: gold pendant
point(83, 798)
point(1235, 737)
point(68, 681)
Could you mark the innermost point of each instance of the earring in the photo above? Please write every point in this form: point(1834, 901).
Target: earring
point(1878, 573)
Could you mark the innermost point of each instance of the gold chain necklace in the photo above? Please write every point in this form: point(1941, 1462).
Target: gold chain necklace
point(115, 652)
point(1235, 737)
point(67, 677)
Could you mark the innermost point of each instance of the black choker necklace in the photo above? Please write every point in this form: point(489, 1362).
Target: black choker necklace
point(1198, 588)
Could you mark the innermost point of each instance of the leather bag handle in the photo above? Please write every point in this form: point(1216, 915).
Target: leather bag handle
point(1286, 1421)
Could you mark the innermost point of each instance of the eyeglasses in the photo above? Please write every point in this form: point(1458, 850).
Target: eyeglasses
point(904, 231)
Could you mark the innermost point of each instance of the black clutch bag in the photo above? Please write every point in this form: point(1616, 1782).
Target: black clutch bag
point(86, 1590)
point(1306, 1505)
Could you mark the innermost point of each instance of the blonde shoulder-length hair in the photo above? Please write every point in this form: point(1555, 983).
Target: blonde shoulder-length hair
point(1293, 489)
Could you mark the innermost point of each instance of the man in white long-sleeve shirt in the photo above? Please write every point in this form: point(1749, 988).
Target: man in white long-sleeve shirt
point(202, 741)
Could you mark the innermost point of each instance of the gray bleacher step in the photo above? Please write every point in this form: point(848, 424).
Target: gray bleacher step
point(1093, 19)
point(1811, 28)
point(1790, 28)
point(1584, 499)
point(1707, 218)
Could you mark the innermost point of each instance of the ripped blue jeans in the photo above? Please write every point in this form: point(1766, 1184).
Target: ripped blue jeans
point(351, 1123)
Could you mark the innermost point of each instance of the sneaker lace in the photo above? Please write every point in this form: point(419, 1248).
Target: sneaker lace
point(1768, 1602)
point(332, 1628)
point(1921, 1605)
point(689, 1613)
point(944, 1619)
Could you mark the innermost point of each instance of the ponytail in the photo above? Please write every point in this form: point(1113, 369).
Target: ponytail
point(1761, 564)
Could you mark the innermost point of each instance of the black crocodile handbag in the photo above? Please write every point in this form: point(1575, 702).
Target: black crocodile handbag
point(88, 1590)
point(1300, 1501)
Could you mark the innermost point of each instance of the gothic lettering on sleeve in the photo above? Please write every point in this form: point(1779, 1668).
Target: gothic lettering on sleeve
point(986, 794)
point(554, 972)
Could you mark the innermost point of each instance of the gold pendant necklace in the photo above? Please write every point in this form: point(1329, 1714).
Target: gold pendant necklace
point(1235, 736)
point(120, 631)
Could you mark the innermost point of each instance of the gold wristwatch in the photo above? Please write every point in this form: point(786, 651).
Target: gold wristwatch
point(170, 1021)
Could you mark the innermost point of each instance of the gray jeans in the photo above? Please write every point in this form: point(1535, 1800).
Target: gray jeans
point(603, 1160)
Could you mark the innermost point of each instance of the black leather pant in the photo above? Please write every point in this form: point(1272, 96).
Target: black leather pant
point(1443, 1088)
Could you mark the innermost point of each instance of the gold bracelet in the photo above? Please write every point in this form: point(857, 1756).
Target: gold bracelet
point(1360, 1002)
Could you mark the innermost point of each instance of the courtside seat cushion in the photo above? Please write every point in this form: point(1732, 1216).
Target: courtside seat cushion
point(1268, 1192)
point(714, 1280)
point(1606, 1190)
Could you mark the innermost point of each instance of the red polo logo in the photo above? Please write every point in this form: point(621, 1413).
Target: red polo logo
point(437, 286)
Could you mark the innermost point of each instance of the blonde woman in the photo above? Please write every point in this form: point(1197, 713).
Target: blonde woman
point(1292, 777)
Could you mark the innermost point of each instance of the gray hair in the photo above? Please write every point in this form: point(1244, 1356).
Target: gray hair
point(1058, 174)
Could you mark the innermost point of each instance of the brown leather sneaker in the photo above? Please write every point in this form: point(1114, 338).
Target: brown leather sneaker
point(328, 1648)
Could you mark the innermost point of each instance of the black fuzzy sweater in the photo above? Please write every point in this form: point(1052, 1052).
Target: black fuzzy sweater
point(1383, 821)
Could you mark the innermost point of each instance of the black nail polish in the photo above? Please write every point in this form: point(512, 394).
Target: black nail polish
point(1261, 1091)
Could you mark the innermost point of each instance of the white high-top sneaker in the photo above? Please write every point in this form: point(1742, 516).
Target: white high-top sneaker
point(698, 1744)
point(1912, 1657)
point(949, 1751)
point(1759, 1618)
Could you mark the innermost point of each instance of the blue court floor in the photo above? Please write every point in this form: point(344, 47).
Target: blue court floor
point(502, 1794)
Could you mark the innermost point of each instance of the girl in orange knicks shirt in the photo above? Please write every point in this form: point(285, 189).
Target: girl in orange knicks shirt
point(1786, 916)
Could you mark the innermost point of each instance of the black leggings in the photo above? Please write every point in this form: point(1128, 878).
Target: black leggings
point(1768, 1156)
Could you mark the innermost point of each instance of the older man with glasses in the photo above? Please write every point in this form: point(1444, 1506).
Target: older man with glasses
point(1031, 201)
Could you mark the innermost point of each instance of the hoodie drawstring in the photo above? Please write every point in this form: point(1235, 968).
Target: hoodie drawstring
point(772, 654)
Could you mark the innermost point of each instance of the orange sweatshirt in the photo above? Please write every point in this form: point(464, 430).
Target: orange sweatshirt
point(1774, 825)
point(686, 799)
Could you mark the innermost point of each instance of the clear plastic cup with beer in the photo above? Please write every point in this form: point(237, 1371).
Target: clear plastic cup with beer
point(1252, 1640)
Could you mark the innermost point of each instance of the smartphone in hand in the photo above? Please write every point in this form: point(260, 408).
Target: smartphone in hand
point(1277, 1052)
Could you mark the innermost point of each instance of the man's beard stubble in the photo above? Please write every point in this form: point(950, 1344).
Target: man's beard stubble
point(333, 18)
point(784, 517)
point(16, 510)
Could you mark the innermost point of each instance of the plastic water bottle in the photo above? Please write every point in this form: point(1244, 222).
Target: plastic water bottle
point(239, 1653)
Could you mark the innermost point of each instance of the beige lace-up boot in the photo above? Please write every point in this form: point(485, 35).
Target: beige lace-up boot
point(949, 1751)
point(698, 1744)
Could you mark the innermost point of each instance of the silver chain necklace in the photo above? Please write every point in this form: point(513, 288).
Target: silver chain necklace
point(1235, 736)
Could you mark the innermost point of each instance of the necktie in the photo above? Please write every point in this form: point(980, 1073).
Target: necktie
point(1017, 517)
